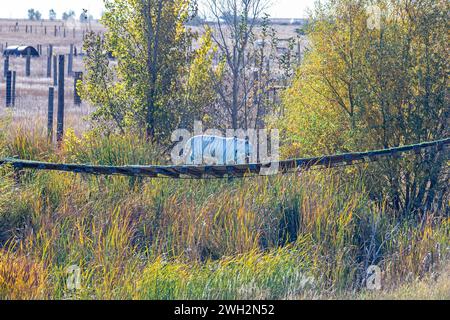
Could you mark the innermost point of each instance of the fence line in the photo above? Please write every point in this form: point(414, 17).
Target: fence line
point(222, 171)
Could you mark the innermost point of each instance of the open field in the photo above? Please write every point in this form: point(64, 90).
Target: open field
point(32, 92)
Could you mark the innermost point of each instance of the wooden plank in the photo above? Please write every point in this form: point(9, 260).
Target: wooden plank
point(221, 170)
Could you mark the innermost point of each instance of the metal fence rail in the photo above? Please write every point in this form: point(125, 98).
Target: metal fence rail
point(221, 171)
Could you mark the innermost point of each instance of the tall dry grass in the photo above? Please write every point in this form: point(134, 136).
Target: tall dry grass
point(309, 235)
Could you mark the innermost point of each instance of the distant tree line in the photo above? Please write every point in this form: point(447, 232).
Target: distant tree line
point(35, 15)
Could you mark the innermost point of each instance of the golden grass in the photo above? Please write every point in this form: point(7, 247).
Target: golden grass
point(21, 277)
point(169, 239)
point(434, 286)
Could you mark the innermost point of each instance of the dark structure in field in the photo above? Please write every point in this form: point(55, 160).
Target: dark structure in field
point(20, 51)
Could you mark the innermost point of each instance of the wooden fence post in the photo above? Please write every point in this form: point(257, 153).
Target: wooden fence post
point(28, 63)
point(51, 95)
point(70, 61)
point(6, 66)
point(55, 71)
point(13, 94)
point(49, 60)
point(76, 94)
point(60, 119)
point(8, 89)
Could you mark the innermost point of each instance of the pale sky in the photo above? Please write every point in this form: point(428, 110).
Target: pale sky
point(18, 8)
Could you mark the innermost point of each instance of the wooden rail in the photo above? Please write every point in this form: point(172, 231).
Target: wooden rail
point(221, 171)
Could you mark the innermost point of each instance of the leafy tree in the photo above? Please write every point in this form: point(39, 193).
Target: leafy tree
point(101, 88)
point(253, 67)
point(200, 96)
point(34, 15)
point(67, 15)
point(364, 86)
point(52, 15)
point(37, 15)
point(147, 89)
point(84, 17)
point(30, 14)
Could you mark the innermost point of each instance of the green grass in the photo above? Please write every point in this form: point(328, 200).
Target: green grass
point(295, 236)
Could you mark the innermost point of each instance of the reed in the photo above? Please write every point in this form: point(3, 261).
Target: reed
point(305, 235)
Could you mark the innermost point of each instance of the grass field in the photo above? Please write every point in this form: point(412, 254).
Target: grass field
point(32, 92)
point(309, 236)
point(302, 236)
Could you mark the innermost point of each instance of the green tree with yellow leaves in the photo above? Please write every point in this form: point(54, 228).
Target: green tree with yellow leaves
point(375, 76)
point(146, 85)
